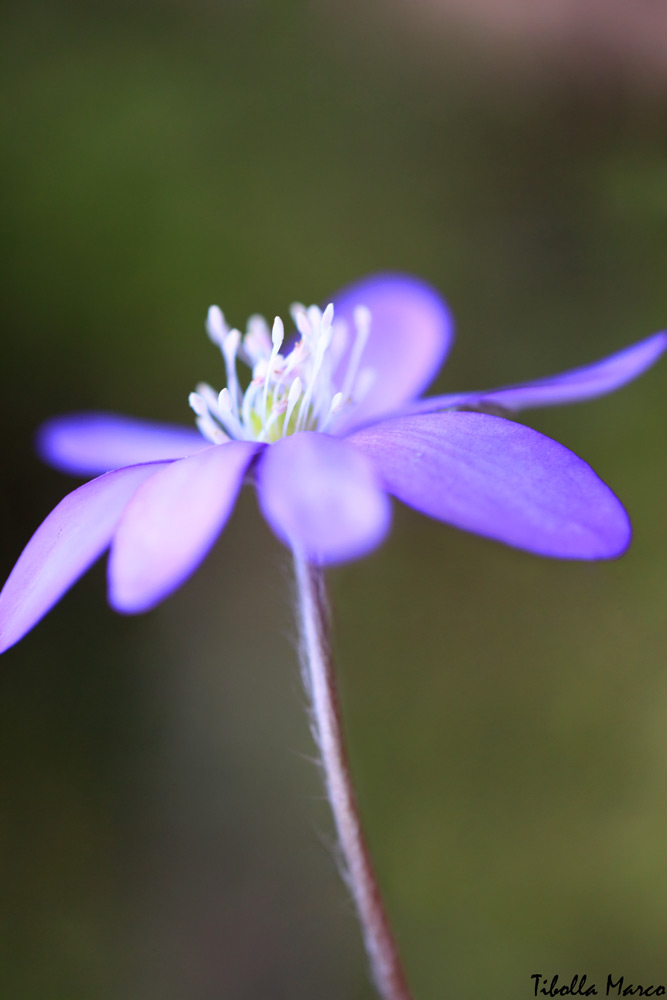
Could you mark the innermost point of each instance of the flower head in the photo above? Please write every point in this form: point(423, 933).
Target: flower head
point(288, 392)
point(327, 425)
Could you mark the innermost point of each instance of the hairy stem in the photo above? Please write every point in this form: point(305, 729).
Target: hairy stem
point(320, 681)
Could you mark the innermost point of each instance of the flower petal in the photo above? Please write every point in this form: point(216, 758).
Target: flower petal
point(500, 479)
point(321, 496)
point(570, 387)
point(71, 538)
point(411, 333)
point(90, 443)
point(169, 526)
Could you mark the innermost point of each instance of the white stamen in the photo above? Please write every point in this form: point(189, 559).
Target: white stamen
point(339, 342)
point(249, 401)
point(327, 316)
point(225, 403)
point(336, 403)
point(216, 327)
point(230, 346)
point(314, 318)
point(197, 403)
point(362, 323)
point(317, 364)
point(277, 334)
point(295, 309)
point(300, 317)
point(209, 395)
point(292, 399)
point(257, 341)
point(336, 406)
point(208, 427)
point(227, 416)
point(276, 414)
point(365, 381)
point(277, 337)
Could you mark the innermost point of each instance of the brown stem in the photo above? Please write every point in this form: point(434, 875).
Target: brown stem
point(320, 681)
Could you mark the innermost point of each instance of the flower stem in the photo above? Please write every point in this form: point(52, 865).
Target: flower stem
point(320, 682)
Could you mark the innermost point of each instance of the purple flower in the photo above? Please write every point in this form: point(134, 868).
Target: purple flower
point(329, 425)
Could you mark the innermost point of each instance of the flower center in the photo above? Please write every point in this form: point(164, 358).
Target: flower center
point(301, 390)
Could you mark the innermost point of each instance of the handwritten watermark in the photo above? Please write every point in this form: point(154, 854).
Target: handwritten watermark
point(580, 986)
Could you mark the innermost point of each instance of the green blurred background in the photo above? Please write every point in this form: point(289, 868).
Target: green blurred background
point(162, 829)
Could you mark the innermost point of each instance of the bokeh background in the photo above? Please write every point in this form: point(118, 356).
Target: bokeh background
point(162, 829)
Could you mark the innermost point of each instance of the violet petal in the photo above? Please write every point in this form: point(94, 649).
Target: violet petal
point(500, 479)
point(411, 333)
point(72, 537)
point(570, 387)
point(89, 443)
point(321, 497)
point(171, 523)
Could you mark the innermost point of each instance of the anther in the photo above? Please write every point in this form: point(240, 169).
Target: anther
point(227, 415)
point(257, 341)
point(216, 327)
point(197, 403)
